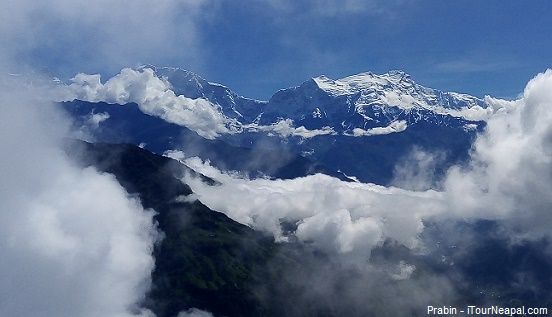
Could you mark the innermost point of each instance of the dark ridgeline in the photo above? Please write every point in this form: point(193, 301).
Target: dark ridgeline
point(208, 261)
point(205, 260)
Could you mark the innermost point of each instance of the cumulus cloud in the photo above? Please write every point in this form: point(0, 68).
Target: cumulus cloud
point(508, 179)
point(73, 242)
point(510, 172)
point(154, 96)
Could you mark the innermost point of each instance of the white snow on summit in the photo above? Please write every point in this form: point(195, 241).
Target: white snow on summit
point(396, 88)
point(364, 104)
point(334, 87)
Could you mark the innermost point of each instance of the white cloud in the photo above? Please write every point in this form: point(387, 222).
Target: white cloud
point(341, 217)
point(475, 113)
point(417, 170)
point(73, 242)
point(103, 33)
point(510, 175)
point(285, 128)
point(154, 97)
point(94, 119)
point(393, 127)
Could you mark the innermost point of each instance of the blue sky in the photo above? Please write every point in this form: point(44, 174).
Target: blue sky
point(257, 47)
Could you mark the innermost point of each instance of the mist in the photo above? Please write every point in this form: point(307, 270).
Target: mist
point(66, 252)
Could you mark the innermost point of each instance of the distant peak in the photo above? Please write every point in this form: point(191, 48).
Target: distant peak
point(398, 73)
point(323, 81)
point(167, 70)
point(144, 66)
point(322, 78)
point(368, 73)
point(329, 85)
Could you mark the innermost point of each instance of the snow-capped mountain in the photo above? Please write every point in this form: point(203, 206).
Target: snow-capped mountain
point(362, 125)
point(191, 85)
point(364, 104)
point(368, 100)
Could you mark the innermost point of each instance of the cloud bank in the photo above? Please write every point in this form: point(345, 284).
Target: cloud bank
point(340, 217)
point(73, 242)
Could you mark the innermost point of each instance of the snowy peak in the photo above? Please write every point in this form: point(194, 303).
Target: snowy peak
point(193, 86)
point(363, 81)
point(331, 86)
point(183, 82)
point(397, 89)
point(368, 101)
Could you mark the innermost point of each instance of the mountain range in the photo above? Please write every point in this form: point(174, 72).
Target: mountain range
point(360, 126)
point(362, 101)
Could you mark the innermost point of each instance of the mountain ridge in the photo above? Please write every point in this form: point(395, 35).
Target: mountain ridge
point(364, 141)
point(362, 101)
